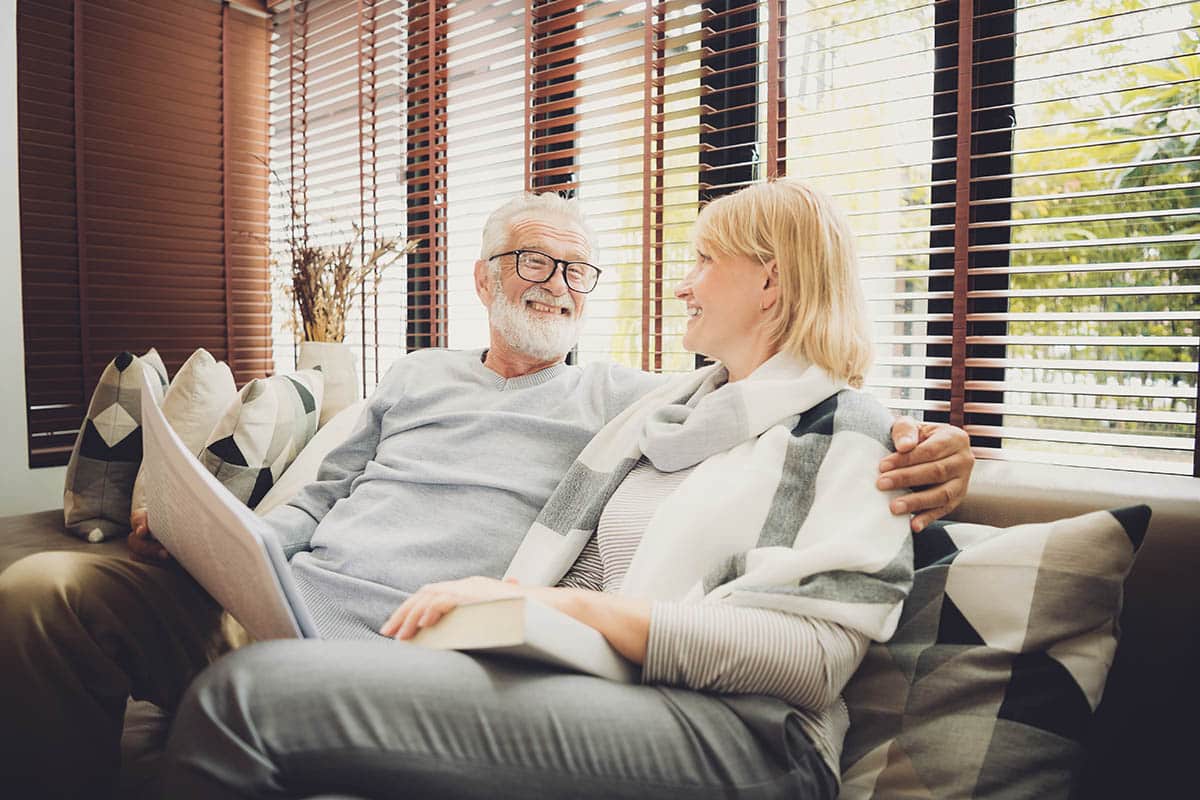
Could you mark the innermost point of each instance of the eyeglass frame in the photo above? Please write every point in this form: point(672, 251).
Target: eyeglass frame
point(560, 265)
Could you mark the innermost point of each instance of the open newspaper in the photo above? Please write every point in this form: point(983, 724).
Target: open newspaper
point(217, 539)
point(236, 557)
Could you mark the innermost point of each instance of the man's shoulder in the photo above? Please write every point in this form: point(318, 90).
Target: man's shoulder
point(622, 385)
point(425, 367)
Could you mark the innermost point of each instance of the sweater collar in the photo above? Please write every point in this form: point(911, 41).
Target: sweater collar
point(500, 383)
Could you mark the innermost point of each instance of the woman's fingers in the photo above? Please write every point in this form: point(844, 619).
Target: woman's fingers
point(428, 613)
point(398, 616)
point(423, 610)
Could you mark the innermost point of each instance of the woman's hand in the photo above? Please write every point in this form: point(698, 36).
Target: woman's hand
point(932, 457)
point(435, 600)
point(624, 621)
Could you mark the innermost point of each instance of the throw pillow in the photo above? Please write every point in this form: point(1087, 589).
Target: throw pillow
point(1000, 658)
point(201, 391)
point(303, 470)
point(262, 432)
point(108, 450)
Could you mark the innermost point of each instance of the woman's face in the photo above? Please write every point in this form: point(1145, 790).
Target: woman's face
point(726, 297)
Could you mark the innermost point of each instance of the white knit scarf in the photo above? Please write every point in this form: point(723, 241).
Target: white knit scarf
point(780, 511)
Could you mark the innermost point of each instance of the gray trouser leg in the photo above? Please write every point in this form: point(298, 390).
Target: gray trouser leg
point(383, 719)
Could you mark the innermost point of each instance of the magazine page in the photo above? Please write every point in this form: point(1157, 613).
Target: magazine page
point(219, 541)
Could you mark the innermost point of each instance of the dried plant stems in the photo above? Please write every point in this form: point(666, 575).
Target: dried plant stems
point(324, 279)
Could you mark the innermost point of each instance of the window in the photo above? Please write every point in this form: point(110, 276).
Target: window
point(337, 91)
point(1022, 175)
point(143, 211)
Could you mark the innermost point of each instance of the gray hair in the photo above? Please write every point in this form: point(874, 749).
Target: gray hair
point(548, 206)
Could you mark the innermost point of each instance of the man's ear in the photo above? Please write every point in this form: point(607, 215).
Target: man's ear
point(770, 289)
point(483, 283)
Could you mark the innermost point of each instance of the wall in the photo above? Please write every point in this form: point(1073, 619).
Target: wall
point(21, 489)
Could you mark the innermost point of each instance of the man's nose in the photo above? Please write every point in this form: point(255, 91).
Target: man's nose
point(557, 285)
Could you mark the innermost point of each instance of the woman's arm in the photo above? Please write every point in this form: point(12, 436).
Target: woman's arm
point(714, 647)
point(625, 622)
point(703, 646)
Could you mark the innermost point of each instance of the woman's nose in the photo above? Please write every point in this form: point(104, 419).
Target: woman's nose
point(684, 287)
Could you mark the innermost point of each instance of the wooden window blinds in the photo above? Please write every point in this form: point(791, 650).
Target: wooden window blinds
point(1022, 176)
point(144, 214)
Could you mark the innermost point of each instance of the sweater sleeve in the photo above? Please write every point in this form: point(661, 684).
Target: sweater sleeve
point(295, 522)
point(714, 647)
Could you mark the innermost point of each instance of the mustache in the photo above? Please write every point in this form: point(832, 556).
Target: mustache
point(539, 295)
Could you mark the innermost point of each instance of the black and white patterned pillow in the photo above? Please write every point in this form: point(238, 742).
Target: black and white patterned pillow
point(108, 450)
point(988, 687)
point(263, 431)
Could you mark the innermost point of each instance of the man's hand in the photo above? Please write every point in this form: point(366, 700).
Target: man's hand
point(141, 541)
point(932, 457)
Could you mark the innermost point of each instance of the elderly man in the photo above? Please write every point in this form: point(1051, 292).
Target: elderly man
point(449, 465)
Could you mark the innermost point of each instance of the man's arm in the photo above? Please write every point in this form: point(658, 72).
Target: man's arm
point(296, 521)
point(932, 458)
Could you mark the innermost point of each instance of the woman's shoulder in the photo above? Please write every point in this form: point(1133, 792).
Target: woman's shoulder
point(848, 411)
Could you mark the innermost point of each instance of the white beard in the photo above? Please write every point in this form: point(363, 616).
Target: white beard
point(536, 335)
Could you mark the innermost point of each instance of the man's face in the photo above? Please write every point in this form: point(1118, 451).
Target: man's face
point(541, 320)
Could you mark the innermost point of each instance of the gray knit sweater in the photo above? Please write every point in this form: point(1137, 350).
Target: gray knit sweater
point(443, 475)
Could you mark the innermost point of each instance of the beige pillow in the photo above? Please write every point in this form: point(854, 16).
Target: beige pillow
point(201, 391)
point(303, 470)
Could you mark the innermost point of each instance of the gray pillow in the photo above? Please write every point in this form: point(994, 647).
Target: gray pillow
point(108, 450)
point(263, 431)
point(987, 689)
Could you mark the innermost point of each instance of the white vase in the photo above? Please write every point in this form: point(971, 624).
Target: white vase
point(341, 377)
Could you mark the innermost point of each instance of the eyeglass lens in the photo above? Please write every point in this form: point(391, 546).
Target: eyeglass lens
point(538, 267)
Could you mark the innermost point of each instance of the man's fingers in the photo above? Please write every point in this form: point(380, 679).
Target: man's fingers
point(942, 442)
point(905, 431)
point(914, 476)
point(946, 495)
point(922, 521)
point(145, 547)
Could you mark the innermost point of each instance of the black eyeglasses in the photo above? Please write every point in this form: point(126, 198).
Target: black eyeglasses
point(538, 267)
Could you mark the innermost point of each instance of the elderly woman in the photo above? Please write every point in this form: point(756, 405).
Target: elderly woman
point(725, 533)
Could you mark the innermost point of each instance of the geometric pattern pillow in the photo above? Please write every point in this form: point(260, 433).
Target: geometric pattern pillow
point(303, 470)
point(198, 396)
point(108, 450)
point(989, 684)
point(263, 431)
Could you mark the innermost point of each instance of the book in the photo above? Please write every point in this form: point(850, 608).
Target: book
point(524, 628)
point(215, 537)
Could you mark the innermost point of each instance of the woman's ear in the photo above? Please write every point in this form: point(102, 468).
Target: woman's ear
point(770, 289)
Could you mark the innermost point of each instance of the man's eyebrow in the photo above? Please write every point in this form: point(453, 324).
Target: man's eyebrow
point(540, 246)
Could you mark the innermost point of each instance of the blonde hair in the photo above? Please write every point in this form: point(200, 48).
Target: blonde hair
point(548, 206)
point(821, 314)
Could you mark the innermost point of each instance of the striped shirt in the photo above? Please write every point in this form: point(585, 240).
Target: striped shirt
point(720, 648)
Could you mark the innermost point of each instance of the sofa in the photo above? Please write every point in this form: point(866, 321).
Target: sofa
point(1141, 738)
